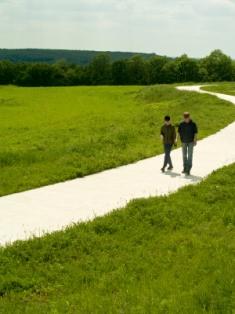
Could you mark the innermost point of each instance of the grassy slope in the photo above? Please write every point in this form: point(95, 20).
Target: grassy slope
point(53, 134)
point(224, 88)
point(81, 57)
point(172, 254)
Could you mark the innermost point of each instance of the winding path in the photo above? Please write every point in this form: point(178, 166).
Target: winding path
point(53, 207)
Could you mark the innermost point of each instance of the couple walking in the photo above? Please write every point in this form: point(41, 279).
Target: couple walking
point(187, 131)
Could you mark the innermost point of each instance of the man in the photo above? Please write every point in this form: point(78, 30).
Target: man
point(168, 136)
point(188, 134)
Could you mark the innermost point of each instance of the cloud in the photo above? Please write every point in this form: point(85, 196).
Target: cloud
point(169, 27)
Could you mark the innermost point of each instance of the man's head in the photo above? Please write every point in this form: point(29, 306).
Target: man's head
point(186, 116)
point(167, 120)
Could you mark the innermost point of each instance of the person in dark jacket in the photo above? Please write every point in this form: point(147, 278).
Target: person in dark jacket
point(168, 135)
point(188, 134)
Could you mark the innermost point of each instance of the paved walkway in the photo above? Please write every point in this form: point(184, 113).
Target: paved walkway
point(52, 207)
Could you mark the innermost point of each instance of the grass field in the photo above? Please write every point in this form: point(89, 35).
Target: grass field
point(224, 88)
point(50, 135)
point(172, 254)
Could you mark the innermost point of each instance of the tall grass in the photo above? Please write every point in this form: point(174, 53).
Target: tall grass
point(224, 88)
point(50, 135)
point(172, 254)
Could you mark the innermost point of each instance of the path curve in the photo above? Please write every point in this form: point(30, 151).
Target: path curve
point(53, 207)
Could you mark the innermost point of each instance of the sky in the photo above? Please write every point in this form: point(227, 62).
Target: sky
point(165, 27)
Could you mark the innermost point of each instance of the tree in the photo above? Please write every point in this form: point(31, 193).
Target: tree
point(187, 69)
point(136, 71)
point(74, 75)
point(169, 72)
point(39, 74)
point(120, 72)
point(100, 70)
point(233, 70)
point(59, 74)
point(155, 66)
point(7, 70)
point(217, 66)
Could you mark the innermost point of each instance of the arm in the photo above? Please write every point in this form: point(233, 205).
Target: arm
point(195, 134)
point(178, 133)
point(162, 134)
point(175, 136)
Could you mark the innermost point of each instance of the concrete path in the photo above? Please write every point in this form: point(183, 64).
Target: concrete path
point(53, 207)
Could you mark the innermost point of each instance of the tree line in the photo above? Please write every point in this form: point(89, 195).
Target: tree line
point(133, 71)
point(50, 56)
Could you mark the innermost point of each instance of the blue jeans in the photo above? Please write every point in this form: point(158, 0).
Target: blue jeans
point(187, 149)
point(167, 159)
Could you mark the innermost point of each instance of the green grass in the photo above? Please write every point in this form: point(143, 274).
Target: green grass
point(50, 135)
point(172, 254)
point(224, 88)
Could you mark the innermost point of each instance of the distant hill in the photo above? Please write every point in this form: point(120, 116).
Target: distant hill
point(81, 57)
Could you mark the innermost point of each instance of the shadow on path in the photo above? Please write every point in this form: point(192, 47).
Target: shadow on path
point(172, 174)
point(192, 178)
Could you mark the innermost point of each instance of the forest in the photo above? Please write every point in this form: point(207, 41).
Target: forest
point(82, 57)
point(136, 70)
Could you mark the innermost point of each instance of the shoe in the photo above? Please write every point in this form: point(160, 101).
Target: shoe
point(163, 169)
point(184, 171)
point(169, 168)
point(187, 173)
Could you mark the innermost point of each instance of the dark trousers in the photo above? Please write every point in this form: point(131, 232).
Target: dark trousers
point(167, 158)
point(187, 149)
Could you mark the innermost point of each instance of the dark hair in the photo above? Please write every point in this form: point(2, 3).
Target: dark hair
point(167, 118)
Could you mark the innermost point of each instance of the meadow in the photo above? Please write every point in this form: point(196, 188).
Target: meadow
point(172, 254)
point(49, 135)
point(224, 88)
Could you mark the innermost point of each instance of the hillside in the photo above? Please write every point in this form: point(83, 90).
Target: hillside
point(70, 132)
point(170, 254)
point(81, 57)
point(224, 88)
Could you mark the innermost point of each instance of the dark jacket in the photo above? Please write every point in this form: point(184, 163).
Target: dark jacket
point(169, 134)
point(187, 131)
